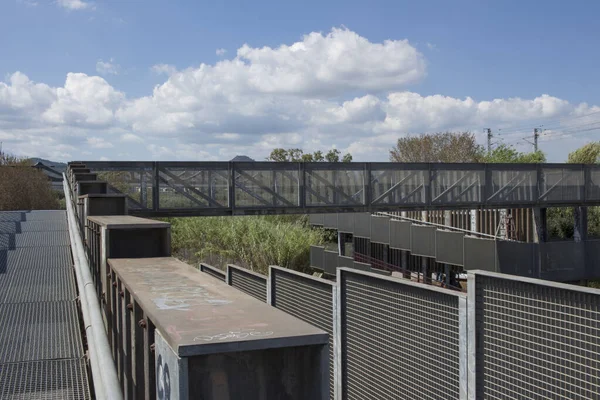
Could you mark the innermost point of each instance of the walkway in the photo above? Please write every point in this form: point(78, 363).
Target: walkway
point(41, 349)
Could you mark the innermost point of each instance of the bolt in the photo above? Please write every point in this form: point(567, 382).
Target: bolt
point(108, 275)
point(153, 347)
point(115, 283)
point(142, 323)
point(122, 293)
point(130, 306)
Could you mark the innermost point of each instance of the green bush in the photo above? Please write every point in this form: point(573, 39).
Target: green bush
point(251, 242)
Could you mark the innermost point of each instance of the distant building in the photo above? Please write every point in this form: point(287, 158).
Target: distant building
point(54, 176)
point(242, 159)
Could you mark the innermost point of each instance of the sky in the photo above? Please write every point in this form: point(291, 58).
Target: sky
point(189, 80)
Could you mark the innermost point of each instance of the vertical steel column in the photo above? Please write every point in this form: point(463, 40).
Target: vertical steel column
point(138, 353)
point(367, 191)
point(127, 344)
point(155, 187)
point(580, 224)
point(143, 189)
point(120, 347)
point(302, 185)
point(231, 176)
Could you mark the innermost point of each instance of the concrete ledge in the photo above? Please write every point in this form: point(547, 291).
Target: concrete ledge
point(127, 222)
point(198, 315)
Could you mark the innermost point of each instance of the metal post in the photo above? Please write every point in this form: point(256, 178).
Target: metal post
point(143, 189)
point(580, 224)
point(541, 236)
point(155, 187)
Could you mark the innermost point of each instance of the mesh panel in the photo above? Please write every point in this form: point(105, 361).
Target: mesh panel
point(191, 187)
point(253, 284)
point(43, 257)
point(536, 341)
point(214, 272)
point(37, 284)
point(34, 239)
point(49, 379)
point(135, 183)
point(561, 184)
point(45, 216)
point(308, 299)
point(15, 216)
point(44, 226)
point(34, 331)
point(398, 341)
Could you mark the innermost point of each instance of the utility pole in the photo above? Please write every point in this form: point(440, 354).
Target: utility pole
point(489, 140)
point(536, 135)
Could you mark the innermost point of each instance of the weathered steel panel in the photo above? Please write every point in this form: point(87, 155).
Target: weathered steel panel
point(423, 241)
point(449, 247)
point(400, 235)
point(380, 230)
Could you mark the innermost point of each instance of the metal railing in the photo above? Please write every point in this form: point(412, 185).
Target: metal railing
point(106, 381)
point(507, 337)
point(231, 188)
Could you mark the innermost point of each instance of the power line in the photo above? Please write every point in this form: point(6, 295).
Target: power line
point(523, 128)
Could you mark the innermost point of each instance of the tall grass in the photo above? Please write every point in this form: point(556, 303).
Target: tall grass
point(251, 242)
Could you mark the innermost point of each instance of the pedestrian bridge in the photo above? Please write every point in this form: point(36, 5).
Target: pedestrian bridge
point(245, 188)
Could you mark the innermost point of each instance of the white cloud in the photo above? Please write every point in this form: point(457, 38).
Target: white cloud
point(84, 101)
point(221, 52)
point(99, 143)
point(107, 67)
point(166, 69)
point(131, 138)
point(337, 89)
point(431, 46)
point(76, 5)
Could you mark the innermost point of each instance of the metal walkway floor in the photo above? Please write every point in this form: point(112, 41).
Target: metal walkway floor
point(41, 350)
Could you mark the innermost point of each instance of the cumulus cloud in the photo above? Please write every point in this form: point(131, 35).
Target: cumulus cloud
point(75, 5)
point(84, 101)
point(326, 90)
point(166, 69)
point(221, 52)
point(107, 67)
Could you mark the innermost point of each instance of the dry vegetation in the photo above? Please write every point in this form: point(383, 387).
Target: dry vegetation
point(23, 187)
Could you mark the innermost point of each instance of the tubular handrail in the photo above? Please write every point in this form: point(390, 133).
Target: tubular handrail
point(394, 268)
point(446, 227)
point(104, 373)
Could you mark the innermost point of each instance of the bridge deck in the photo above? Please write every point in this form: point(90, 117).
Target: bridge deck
point(41, 349)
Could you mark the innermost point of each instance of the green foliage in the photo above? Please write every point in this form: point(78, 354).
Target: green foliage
point(23, 187)
point(508, 154)
point(448, 147)
point(251, 242)
point(298, 155)
point(561, 220)
point(588, 154)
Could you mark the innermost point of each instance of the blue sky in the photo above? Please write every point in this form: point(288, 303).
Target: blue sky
point(80, 79)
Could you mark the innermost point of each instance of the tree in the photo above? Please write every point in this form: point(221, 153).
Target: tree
point(23, 187)
point(560, 220)
point(298, 155)
point(588, 154)
point(446, 147)
point(508, 154)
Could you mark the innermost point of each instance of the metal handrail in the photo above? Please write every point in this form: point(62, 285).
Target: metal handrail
point(104, 373)
point(446, 227)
